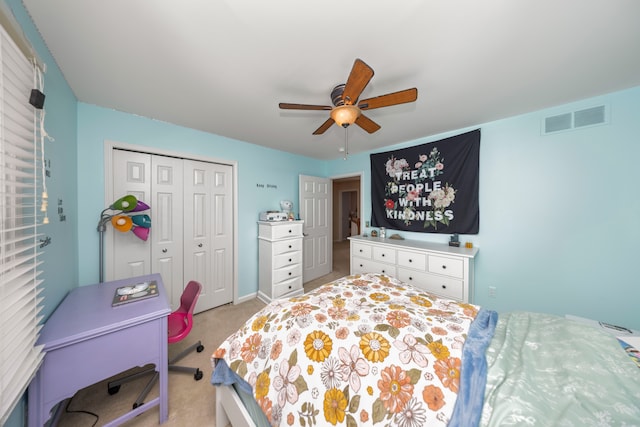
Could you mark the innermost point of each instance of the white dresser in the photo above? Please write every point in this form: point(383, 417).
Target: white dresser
point(435, 267)
point(280, 259)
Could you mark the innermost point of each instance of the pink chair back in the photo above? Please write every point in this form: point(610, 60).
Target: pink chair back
point(189, 297)
point(181, 320)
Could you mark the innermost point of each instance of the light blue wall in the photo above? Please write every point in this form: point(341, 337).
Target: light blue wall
point(559, 227)
point(256, 165)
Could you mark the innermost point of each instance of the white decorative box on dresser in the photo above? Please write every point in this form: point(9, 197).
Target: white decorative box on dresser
point(280, 259)
point(435, 267)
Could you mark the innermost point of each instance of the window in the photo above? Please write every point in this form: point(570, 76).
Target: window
point(20, 303)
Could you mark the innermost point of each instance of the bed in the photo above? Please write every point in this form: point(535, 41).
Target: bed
point(371, 350)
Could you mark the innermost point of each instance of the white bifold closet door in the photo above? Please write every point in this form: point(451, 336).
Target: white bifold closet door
point(191, 225)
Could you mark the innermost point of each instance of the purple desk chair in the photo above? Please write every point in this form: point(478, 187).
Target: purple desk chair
point(179, 324)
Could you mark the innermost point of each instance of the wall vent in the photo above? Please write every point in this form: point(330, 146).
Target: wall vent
point(593, 116)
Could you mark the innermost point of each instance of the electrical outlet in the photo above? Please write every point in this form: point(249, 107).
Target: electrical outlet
point(492, 291)
point(366, 223)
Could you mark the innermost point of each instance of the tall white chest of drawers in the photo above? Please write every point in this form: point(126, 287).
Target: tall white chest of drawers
point(280, 259)
point(435, 267)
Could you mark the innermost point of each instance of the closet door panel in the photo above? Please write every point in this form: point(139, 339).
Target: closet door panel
point(221, 289)
point(197, 226)
point(166, 224)
point(125, 254)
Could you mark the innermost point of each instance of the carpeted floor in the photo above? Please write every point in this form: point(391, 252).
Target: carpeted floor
point(191, 403)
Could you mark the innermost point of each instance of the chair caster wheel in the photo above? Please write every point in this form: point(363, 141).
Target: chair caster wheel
point(113, 390)
point(200, 348)
point(198, 375)
point(135, 405)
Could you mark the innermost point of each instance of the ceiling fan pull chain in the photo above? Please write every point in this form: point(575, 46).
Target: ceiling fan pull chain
point(346, 142)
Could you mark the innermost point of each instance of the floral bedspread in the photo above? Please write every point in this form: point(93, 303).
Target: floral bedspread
point(362, 350)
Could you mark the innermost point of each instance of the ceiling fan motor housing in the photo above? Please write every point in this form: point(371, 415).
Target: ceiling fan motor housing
point(336, 95)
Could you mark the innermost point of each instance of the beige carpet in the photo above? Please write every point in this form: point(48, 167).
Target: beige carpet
point(191, 403)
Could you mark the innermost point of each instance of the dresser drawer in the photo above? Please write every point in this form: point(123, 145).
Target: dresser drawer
point(285, 231)
point(439, 285)
point(446, 266)
point(360, 250)
point(287, 286)
point(286, 259)
point(361, 265)
point(286, 246)
point(286, 273)
point(384, 254)
point(444, 286)
point(412, 260)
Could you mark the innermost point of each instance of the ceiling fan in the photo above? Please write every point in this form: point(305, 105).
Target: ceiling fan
point(346, 109)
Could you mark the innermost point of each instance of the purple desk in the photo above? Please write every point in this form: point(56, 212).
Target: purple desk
point(86, 340)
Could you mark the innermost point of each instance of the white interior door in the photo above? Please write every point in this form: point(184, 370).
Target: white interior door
point(315, 210)
point(208, 231)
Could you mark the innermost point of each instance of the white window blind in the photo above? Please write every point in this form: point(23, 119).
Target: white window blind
point(20, 302)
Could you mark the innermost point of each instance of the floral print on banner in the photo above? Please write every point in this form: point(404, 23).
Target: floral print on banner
point(362, 350)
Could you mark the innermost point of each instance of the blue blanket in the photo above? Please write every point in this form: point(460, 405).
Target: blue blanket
point(223, 375)
point(473, 373)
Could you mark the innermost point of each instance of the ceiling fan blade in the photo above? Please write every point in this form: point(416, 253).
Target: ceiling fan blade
point(326, 125)
point(358, 79)
point(286, 106)
point(367, 124)
point(395, 98)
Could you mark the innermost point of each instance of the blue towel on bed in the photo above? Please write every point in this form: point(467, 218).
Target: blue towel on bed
point(473, 373)
point(222, 374)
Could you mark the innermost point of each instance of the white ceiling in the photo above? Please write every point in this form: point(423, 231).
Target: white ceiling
point(223, 66)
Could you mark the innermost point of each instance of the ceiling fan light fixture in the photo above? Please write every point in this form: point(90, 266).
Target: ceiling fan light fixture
point(345, 115)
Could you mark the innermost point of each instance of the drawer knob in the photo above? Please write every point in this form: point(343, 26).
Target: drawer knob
point(289, 286)
point(360, 265)
point(290, 231)
point(289, 273)
point(289, 246)
point(382, 255)
point(444, 286)
point(410, 278)
point(200, 245)
point(410, 260)
point(383, 271)
point(164, 251)
point(360, 250)
point(444, 267)
point(289, 259)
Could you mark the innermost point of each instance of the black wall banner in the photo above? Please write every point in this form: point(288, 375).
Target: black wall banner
point(428, 188)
